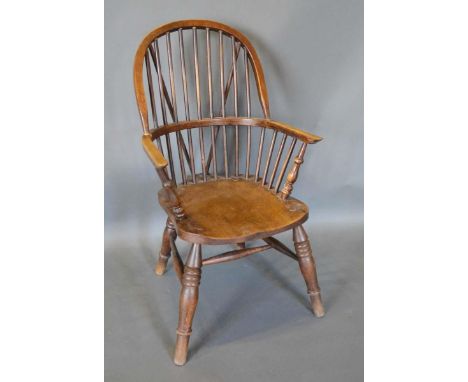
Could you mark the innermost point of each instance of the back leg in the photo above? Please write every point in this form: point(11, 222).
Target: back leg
point(165, 252)
point(308, 270)
point(239, 245)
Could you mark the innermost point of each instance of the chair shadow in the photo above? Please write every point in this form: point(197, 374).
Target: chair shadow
point(241, 303)
point(150, 304)
point(266, 269)
point(157, 322)
point(150, 254)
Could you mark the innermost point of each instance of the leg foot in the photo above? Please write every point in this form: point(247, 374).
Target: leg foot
point(181, 350)
point(165, 252)
point(161, 265)
point(308, 269)
point(317, 305)
point(188, 303)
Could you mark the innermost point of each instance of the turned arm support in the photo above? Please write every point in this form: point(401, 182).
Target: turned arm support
point(293, 174)
point(306, 138)
point(160, 163)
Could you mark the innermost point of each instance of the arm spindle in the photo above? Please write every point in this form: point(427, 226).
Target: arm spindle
point(260, 151)
point(270, 152)
point(278, 157)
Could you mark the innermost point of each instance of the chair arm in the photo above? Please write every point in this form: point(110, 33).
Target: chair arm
point(168, 190)
point(291, 130)
point(303, 136)
point(153, 153)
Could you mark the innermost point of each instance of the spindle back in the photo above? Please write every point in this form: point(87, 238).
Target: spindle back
point(194, 76)
point(194, 69)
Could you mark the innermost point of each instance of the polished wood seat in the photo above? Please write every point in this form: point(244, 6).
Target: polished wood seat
point(233, 211)
point(227, 169)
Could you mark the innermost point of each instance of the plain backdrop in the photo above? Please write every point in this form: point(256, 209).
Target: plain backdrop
point(52, 203)
point(312, 55)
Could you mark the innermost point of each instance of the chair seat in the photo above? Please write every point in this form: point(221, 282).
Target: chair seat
point(233, 211)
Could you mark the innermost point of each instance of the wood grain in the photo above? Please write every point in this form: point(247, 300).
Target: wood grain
point(233, 211)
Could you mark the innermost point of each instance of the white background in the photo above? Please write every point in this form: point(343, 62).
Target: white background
point(51, 156)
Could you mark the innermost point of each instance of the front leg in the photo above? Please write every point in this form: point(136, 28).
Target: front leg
point(188, 302)
point(308, 270)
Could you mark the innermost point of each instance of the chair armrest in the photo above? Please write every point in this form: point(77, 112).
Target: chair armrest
point(167, 192)
point(291, 130)
point(153, 153)
point(303, 136)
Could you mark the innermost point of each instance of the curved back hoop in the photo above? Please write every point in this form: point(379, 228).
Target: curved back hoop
point(148, 55)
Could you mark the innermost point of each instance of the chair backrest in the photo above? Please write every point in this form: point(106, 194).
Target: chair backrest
point(195, 69)
point(195, 75)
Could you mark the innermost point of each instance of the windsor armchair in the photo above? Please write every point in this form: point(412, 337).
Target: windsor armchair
point(221, 169)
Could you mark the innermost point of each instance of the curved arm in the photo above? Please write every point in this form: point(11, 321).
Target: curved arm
point(158, 160)
point(153, 153)
point(302, 135)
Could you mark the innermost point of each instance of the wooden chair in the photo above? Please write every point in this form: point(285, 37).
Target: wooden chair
point(221, 169)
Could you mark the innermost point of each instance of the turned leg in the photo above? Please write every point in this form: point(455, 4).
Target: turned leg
point(307, 266)
point(165, 252)
point(188, 302)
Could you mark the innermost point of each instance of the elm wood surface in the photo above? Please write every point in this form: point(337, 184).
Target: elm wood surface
point(232, 211)
point(214, 198)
